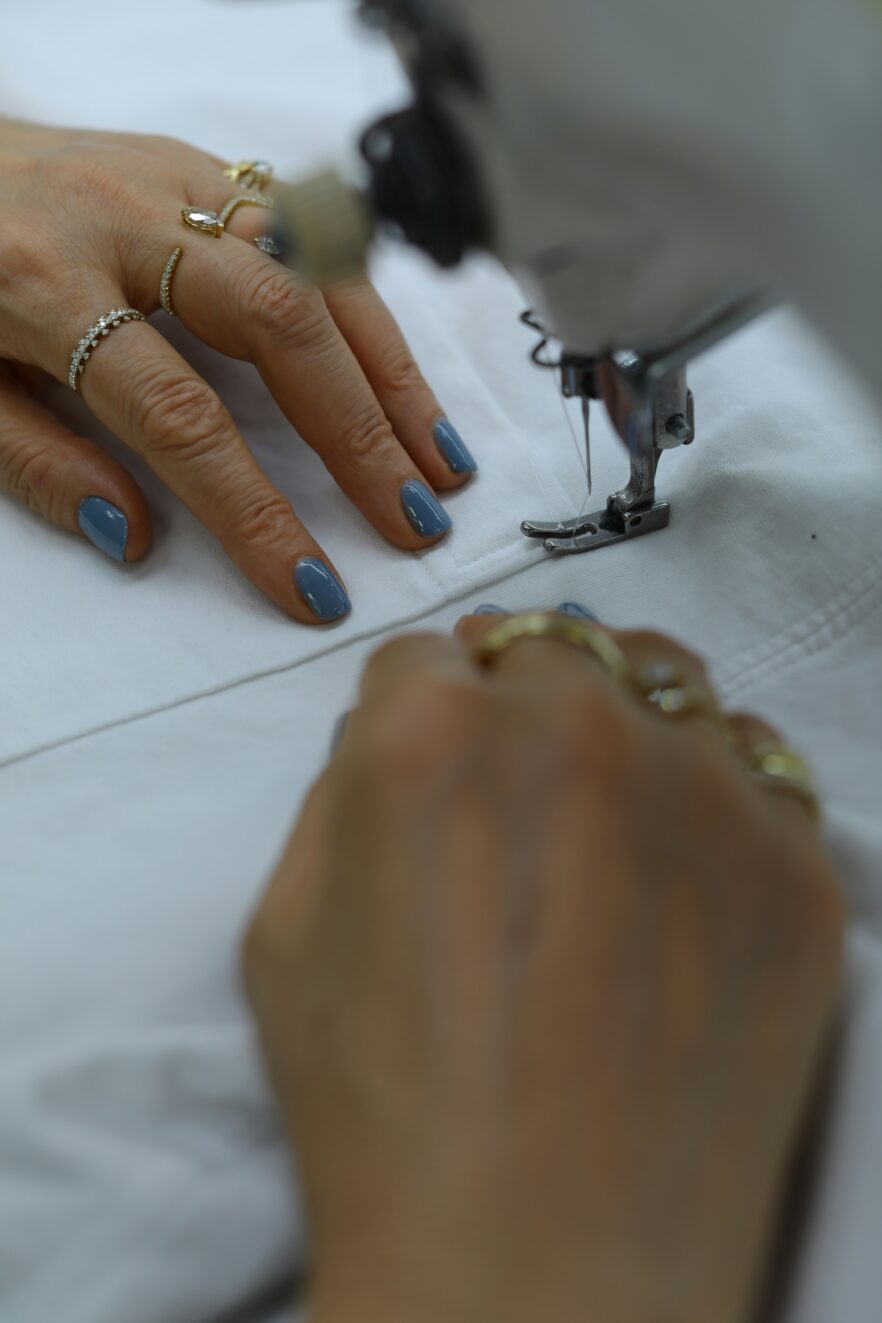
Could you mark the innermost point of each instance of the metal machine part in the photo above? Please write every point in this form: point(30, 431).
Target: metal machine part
point(434, 172)
point(633, 511)
point(652, 409)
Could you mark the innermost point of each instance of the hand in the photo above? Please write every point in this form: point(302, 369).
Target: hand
point(542, 981)
point(87, 224)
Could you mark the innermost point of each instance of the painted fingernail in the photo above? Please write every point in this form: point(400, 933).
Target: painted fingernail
point(424, 510)
point(104, 525)
point(488, 609)
point(321, 589)
point(574, 609)
point(456, 453)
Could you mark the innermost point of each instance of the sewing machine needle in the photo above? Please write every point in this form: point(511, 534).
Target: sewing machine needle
point(586, 414)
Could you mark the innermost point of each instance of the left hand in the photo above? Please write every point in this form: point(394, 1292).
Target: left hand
point(543, 982)
point(87, 223)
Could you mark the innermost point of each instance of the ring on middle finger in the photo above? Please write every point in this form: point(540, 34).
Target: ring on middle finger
point(206, 221)
point(664, 685)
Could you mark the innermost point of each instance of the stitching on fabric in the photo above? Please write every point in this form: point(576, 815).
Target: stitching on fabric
point(806, 638)
point(253, 677)
point(802, 639)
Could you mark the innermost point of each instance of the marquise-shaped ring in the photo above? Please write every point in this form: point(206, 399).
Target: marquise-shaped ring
point(203, 220)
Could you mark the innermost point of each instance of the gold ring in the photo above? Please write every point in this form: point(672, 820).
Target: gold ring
point(207, 221)
point(203, 220)
point(166, 282)
point(94, 337)
point(546, 625)
point(777, 767)
point(244, 200)
point(250, 174)
point(662, 685)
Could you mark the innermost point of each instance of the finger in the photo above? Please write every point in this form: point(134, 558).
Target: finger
point(244, 304)
point(66, 478)
point(420, 424)
point(375, 338)
point(149, 396)
point(777, 771)
point(671, 678)
point(745, 730)
point(428, 655)
point(542, 664)
point(291, 891)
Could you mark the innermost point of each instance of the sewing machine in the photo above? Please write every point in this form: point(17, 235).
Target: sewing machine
point(490, 155)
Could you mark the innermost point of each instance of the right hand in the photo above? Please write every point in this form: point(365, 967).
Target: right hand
point(543, 982)
point(87, 223)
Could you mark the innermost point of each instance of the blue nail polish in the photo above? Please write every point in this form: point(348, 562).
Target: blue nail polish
point(574, 609)
point(456, 453)
point(424, 510)
point(321, 589)
point(104, 525)
point(489, 610)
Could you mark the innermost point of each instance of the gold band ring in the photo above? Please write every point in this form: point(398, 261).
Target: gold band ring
point(546, 625)
point(777, 767)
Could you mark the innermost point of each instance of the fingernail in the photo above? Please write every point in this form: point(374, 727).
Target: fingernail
point(456, 453)
point(104, 525)
point(489, 610)
point(424, 510)
point(574, 609)
point(321, 589)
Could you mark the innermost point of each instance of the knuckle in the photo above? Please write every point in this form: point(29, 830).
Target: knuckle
point(400, 372)
point(29, 471)
point(366, 440)
point(599, 734)
point(181, 414)
point(258, 518)
point(428, 728)
point(292, 315)
point(649, 643)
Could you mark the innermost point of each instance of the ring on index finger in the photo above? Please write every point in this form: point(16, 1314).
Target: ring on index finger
point(582, 634)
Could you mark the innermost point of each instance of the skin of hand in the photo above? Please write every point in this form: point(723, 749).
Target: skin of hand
point(87, 224)
point(544, 984)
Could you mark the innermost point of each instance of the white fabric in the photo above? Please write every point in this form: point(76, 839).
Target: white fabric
point(158, 724)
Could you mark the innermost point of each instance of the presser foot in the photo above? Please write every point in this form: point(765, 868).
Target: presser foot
point(572, 537)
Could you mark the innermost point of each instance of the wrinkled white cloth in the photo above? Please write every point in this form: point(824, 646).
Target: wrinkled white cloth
point(159, 724)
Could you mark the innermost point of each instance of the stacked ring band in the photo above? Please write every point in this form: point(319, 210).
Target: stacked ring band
point(93, 338)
